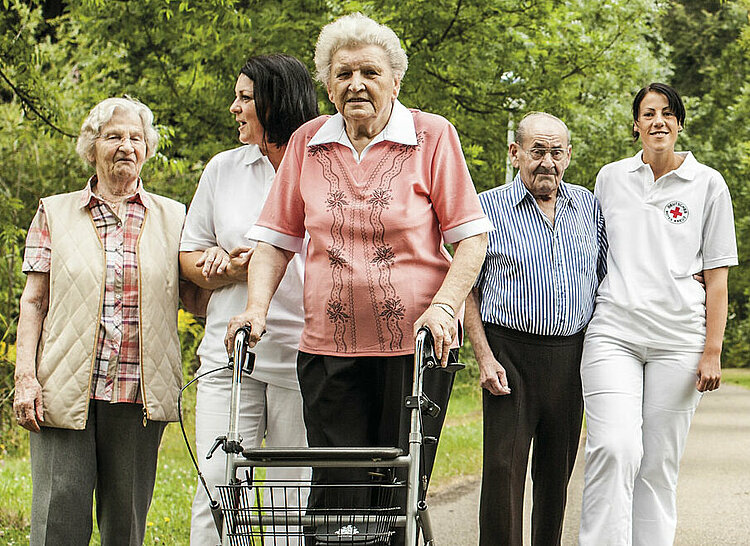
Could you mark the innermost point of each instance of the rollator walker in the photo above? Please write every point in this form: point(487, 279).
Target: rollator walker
point(254, 511)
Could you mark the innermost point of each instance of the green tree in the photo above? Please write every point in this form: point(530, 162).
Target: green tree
point(710, 49)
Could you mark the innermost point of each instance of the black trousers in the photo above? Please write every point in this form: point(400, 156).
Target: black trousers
point(359, 401)
point(546, 406)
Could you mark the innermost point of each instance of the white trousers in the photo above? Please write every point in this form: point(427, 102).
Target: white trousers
point(266, 411)
point(639, 403)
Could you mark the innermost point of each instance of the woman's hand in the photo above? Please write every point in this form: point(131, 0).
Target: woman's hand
point(709, 372)
point(27, 403)
point(239, 257)
point(256, 321)
point(213, 262)
point(709, 366)
point(443, 328)
point(215, 267)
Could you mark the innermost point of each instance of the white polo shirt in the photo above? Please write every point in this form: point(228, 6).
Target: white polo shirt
point(230, 195)
point(661, 233)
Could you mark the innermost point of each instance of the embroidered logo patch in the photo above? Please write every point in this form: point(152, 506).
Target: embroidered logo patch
point(676, 212)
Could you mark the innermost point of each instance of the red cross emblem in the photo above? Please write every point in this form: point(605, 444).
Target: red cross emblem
point(676, 212)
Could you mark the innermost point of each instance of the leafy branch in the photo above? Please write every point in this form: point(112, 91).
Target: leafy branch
point(28, 103)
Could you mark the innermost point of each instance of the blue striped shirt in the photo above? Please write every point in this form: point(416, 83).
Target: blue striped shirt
point(538, 277)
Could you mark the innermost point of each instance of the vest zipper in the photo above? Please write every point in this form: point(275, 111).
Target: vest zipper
point(99, 312)
point(140, 314)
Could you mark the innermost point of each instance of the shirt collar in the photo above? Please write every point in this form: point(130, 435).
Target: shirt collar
point(252, 154)
point(140, 195)
point(687, 171)
point(399, 129)
point(519, 191)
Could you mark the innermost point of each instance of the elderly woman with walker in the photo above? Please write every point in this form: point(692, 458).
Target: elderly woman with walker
point(274, 95)
point(98, 367)
point(653, 346)
point(379, 189)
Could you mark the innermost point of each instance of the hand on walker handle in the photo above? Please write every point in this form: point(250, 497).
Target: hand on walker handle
point(247, 318)
point(443, 329)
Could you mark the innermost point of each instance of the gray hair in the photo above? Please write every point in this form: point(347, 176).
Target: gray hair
point(522, 129)
point(356, 30)
point(102, 113)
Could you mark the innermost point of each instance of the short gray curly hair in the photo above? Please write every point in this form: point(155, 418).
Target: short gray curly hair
point(357, 30)
point(100, 116)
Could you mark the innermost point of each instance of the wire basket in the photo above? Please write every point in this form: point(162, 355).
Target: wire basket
point(261, 513)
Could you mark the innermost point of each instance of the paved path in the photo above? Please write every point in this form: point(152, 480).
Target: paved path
point(713, 496)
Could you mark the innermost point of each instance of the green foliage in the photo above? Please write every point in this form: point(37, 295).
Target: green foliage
point(477, 62)
point(710, 44)
point(191, 334)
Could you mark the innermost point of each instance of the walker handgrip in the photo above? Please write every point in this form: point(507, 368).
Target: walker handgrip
point(242, 355)
point(425, 343)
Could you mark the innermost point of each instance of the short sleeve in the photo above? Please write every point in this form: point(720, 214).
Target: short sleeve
point(452, 191)
point(282, 221)
point(719, 247)
point(38, 253)
point(199, 232)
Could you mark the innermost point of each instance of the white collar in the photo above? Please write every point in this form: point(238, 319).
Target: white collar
point(687, 170)
point(399, 129)
point(252, 153)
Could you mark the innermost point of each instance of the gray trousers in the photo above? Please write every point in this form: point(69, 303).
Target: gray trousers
point(115, 457)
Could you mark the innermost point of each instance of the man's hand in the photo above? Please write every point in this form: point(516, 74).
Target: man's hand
point(27, 403)
point(443, 328)
point(493, 378)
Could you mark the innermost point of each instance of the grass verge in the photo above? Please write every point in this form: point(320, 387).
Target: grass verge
point(736, 376)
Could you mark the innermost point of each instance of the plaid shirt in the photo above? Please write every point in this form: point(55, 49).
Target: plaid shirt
point(117, 365)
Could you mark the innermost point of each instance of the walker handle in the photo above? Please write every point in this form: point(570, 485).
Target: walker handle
point(426, 343)
point(242, 355)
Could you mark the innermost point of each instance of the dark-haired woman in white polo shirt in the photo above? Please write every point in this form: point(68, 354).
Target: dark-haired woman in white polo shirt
point(654, 344)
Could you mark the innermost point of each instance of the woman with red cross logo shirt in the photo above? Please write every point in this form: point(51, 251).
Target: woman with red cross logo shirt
point(654, 343)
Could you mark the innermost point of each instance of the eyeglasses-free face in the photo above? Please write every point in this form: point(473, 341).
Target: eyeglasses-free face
point(657, 124)
point(120, 149)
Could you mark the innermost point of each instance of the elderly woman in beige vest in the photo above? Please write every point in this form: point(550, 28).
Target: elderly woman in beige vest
point(98, 360)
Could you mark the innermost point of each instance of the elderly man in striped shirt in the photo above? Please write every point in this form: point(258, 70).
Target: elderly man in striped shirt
point(525, 318)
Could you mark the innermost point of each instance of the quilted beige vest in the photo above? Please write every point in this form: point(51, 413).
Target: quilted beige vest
point(68, 343)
